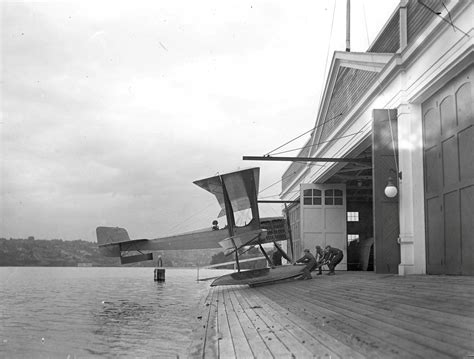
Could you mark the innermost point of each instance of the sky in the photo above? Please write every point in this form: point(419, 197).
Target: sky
point(111, 109)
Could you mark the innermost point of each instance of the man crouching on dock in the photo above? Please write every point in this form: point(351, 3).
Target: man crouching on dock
point(310, 262)
point(335, 256)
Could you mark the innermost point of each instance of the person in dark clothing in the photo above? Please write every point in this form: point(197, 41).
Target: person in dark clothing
point(276, 257)
point(335, 256)
point(215, 225)
point(320, 259)
point(310, 261)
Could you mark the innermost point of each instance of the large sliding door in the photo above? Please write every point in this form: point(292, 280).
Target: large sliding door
point(448, 140)
point(323, 217)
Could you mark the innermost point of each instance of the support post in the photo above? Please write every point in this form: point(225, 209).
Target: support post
point(159, 271)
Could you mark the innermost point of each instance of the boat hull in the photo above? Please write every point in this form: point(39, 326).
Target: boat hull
point(260, 276)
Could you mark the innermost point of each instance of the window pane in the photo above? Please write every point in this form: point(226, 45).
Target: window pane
point(352, 216)
point(307, 201)
point(317, 193)
point(328, 201)
point(329, 192)
point(338, 201)
point(338, 193)
point(317, 201)
point(307, 193)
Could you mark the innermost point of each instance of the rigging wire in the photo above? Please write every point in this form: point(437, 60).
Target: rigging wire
point(186, 220)
point(437, 13)
point(366, 27)
point(327, 54)
point(319, 143)
point(393, 145)
point(312, 129)
point(324, 74)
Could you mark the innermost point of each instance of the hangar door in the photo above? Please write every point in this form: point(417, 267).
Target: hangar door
point(323, 217)
point(448, 140)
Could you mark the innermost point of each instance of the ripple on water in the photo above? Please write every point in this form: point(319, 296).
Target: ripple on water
point(96, 312)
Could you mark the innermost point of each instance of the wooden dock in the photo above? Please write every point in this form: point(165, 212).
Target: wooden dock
point(349, 315)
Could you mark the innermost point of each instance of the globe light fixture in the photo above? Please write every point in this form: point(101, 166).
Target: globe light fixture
point(390, 189)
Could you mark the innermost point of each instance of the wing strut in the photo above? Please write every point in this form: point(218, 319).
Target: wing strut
point(230, 220)
point(265, 254)
point(283, 253)
point(243, 245)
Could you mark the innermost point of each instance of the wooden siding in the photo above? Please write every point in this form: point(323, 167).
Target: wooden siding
point(389, 39)
point(419, 16)
point(351, 85)
point(349, 315)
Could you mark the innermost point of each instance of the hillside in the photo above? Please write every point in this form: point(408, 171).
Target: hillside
point(56, 252)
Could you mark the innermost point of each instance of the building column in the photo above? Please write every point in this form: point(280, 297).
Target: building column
point(411, 191)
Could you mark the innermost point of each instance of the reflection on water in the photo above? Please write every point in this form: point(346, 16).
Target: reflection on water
point(96, 312)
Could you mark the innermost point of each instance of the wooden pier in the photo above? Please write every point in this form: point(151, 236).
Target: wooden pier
point(349, 315)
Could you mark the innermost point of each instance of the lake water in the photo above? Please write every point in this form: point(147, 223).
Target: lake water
point(98, 312)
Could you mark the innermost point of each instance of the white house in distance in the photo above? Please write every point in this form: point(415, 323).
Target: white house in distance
point(405, 110)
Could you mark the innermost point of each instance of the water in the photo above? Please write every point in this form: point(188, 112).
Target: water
point(98, 312)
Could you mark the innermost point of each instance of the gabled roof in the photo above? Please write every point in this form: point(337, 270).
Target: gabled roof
point(349, 77)
point(352, 75)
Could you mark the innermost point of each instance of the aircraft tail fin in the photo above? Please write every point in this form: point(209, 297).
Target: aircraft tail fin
point(109, 239)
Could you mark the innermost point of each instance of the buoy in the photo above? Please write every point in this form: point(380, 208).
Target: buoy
point(159, 274)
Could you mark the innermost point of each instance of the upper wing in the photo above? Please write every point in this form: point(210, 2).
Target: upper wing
point(241, 188)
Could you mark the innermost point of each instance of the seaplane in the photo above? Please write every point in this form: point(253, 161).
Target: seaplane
point(236, 193)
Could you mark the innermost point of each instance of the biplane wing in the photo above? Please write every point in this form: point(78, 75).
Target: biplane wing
point(115, 242)
point(236, 193)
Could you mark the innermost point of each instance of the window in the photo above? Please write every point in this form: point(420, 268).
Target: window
point(312, 197)
point(352, 237)
point(352, 216)
point(333, 197)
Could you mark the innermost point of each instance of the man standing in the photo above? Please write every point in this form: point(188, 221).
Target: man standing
point(335, 256)
point(310, 261)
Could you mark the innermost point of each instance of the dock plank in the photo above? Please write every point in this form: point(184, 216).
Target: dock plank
point(455, 326)
point(276, 347)
point(284, 333)
point(311, 340)
point(350, 315)
point(355, 333)
point(224, 335)
point(255, 341)
point(241, 344)
point(421, 341)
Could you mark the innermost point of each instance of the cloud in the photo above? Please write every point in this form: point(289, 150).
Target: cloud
point(109, 112)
